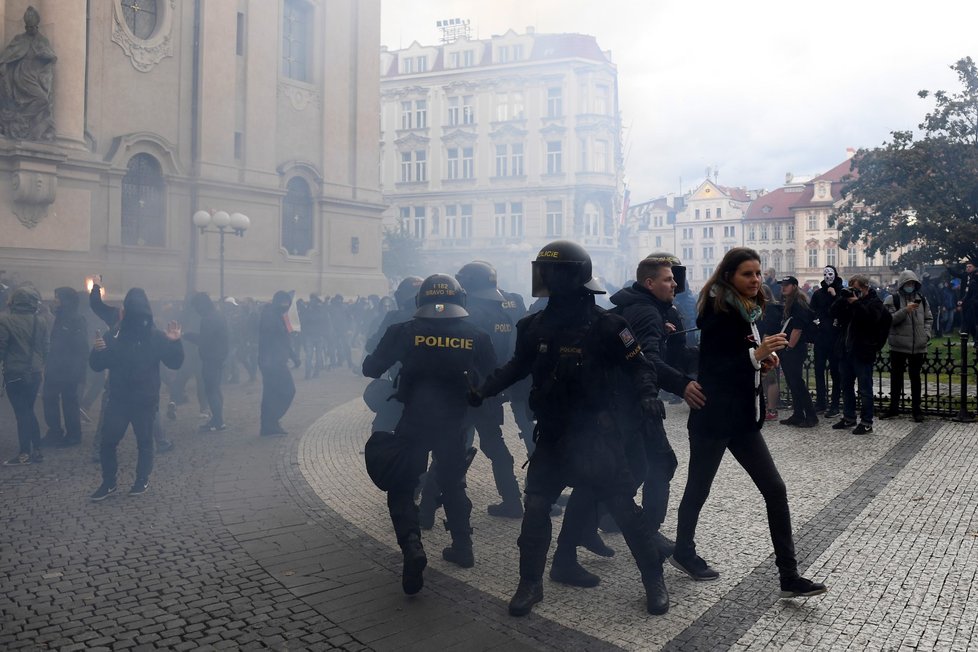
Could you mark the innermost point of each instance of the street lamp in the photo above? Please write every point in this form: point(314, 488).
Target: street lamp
point(236, 223)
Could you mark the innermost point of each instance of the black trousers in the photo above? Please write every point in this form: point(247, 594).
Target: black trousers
point(58, 397)
point(792, 363)
point(487, 421)
point(212, 372)
point(277, 392)
point(447, 443)
point(825, 358)
point(118, 418)
point(751, 452)
point(22, 393)
point(898, 365)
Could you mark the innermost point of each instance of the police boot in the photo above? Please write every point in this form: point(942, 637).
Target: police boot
point(426, 510)
point(460, 552)
point(412, 573)
point(594, 543)
point(566, 569)
point(528, 593)
point(509, 489)
point(638, 536)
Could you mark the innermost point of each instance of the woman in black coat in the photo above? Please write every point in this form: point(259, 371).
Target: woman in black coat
point(734, 356)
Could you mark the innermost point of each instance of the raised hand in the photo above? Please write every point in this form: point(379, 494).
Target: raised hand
point(173, 331)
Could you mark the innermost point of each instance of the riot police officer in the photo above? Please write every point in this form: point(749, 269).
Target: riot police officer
point(378, 393)
point(571, 349)
point(437, 350)
point(484, 304)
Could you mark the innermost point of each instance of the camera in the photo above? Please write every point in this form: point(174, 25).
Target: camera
point(847, 292)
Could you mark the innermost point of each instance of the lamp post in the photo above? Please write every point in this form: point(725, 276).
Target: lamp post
point(236, 223)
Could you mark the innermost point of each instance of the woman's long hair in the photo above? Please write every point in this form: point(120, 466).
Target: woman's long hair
point(718, 286)
point(789, 302)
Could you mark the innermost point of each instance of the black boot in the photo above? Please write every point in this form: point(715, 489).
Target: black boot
point(566, 569)
point(528, 593)
point(594, 543)
point(460, 553)
point(412, 573)
point(656, 594)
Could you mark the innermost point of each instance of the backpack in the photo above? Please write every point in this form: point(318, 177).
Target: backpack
point(883, 322)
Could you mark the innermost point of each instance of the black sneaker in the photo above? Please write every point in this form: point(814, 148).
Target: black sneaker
point(799, 587)
point(695, 567)
point(863, 429)
point(809, 423)
point(37, 457)
point(831, 412)
point(573, 574)
point(594, 543)
point(793, 420)
point(103, 492)
point(890, 414)
point(23, 459)
point(844, 424)
point(139, 488)
point(918, 418)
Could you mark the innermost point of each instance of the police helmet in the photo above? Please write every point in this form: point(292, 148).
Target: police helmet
point(406, 291)
point(478, 279)
point(678, 269)
point(441, 297)
point(388, 460)
point(563, 268)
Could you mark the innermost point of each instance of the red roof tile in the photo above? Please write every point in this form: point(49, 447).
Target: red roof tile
point(775, 205)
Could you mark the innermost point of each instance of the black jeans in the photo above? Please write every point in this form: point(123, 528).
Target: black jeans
point(58, 397)
point(898, 364)
point(22, 392)
point(751, 452)
point(792, 363)
point(118, 417)
point(825, 357)
point(277, 392)
point(212, 372)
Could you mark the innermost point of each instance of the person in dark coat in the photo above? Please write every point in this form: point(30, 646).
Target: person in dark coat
point(23, 348)
point(734, 357)
point(826, 353)
point(65, 370)
point(274, 352)
point(212, 346)
point(796, 317)
point(132, 354)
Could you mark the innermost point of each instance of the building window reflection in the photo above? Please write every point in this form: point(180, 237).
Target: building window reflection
point(143, 190)
point(297, 217)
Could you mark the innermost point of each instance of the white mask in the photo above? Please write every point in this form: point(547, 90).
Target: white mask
point(829, 274)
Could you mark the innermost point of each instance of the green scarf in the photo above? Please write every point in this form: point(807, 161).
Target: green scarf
point(747, 309)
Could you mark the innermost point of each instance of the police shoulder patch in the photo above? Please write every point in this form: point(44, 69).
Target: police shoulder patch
point(626, 337)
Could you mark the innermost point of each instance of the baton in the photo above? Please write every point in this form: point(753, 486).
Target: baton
point(688, 330)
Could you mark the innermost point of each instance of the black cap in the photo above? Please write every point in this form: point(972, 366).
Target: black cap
point(789, 279)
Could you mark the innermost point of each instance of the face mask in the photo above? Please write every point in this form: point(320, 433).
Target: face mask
point(829, 276)
point(908, 288)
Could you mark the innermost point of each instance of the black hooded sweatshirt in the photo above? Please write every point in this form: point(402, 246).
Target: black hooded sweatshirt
point(646, 315)
point(133, 354)
point(274, 347)
point(68, 351)
point(821, 303)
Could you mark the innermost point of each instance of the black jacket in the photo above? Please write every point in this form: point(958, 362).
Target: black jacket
point(274, 345)
point(727, 376)
point(68, 351)
point(865, 325)
point(821, 303)
point(212, 340)
point(647, 316)
point(133, 355)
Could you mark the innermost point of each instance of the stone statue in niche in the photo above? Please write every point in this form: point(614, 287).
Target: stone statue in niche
point(26, 84)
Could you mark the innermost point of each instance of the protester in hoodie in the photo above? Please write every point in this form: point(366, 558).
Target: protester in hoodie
point(65, 370)
point(212, 347)
point(274, 352)
point(111, 315)
point(132, 354)
point(909, 334)
point(23, 350)
point(826, 351)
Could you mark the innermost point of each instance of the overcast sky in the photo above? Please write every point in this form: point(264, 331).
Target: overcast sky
point(756, 88)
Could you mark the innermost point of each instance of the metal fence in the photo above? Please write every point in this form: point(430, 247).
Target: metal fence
point(949, 382)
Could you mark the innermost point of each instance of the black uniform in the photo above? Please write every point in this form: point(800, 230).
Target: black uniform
point(572, 349)
point(378, 392)
point(519, 393)
point(434, 355)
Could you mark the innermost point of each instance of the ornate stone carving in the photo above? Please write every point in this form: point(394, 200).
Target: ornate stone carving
point(299, 97)
point(145, 53)
point(33, 193)
point(26, 84)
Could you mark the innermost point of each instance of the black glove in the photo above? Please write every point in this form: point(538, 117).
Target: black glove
point(652, 407)
point(474, 397)
point(296, 362)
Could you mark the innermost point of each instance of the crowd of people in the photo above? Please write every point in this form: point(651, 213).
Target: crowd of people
point(585, 386)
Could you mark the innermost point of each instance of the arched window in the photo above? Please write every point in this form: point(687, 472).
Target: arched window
point(143, 190)
point(140, 16)
point(297, 217)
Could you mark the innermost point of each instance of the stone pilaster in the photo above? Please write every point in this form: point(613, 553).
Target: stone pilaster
point(64, 22)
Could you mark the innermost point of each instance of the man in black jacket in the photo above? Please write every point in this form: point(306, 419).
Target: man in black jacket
point(65, 369)
point(865, 323)
point(274, 353)
point(132, 353)
point(212, 347)
point(826, 355)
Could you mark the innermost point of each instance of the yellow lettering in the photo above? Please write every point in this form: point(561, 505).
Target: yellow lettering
point(548, 254)
point(468, 344)
point(442, 342)
point(508, 305)
point(418, 340)
point(570, 349)
point(502, 328)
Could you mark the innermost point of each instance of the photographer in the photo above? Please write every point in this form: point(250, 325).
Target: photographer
point(909, 333)
point(865, 324)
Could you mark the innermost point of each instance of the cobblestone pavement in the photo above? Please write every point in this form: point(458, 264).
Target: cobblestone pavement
point(248, 543)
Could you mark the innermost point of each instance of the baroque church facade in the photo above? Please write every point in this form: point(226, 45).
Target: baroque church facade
point(164, 108)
